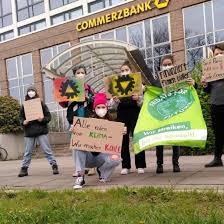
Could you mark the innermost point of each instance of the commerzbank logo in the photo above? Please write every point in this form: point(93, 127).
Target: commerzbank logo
point(161, 3)
point(123, 13)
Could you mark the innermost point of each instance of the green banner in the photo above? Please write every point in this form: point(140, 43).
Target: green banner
point(170, 119)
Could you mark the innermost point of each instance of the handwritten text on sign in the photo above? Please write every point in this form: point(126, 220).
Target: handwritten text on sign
point(97, 135)
point(213, 68)
point(33, 109)
point(174, 78)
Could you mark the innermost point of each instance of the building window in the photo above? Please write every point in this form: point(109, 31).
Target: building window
point(204, 26)
point(101, 4)
point(59, 121)
point(69, 15)
point(20, 75)
point(151, 36)
point(32, 27)
point(5, 13)
point(6, 36)
point(29, 8)
point(59, 3)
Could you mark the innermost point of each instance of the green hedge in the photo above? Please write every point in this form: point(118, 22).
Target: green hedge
point(9, 115)
point(206, 109)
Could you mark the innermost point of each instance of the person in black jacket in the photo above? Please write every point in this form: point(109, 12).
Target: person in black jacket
point(128, 110)
point(36, 130)
point(216, 90)
point(167, 62)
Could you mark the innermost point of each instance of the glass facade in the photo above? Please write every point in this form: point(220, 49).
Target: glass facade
point(5, 13)
point(59, 122)
point(101, 4)
point(6, 36)
point(32, 27)
point(203, 26)
point(69, 15)
point(29, 8)
point(152, 36)
point(20, 75)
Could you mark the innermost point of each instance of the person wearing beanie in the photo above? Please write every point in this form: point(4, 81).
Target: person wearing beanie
point(105, 163)
point(36, 130)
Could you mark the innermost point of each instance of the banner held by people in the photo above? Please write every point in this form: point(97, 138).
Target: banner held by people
point(170, 119)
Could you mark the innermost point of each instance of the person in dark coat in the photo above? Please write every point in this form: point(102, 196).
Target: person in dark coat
point(216, 90)
point(36, 130)
point(128, 109)
point(167, 62)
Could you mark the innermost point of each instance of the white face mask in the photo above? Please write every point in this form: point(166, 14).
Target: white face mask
point(80, 76)
point(31, 94)
point(101, 112)
point(125, 73)
point(167, 67)
point(220, 55)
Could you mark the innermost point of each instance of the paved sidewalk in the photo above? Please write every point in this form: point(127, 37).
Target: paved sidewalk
point(193, 175)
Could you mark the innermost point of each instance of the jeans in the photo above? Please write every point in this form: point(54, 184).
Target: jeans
point(102, 161)
point(45, 146)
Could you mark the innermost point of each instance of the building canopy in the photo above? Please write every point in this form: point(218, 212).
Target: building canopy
point(101, 58)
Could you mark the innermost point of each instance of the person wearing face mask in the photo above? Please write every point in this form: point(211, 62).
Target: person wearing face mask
point(36, 130)
point(216, 91)
point(127, 112)
point(167, 62)
point(105, 163)
point(80, 109)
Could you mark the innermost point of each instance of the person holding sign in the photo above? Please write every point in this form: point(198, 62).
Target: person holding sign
point(36, 129)
point(79, 109)
point(216, 89)
point(167, 62)
point(105, 163)
point(127, 112)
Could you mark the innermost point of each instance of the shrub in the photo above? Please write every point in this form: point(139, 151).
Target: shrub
point(206, 110)
point(9, 115)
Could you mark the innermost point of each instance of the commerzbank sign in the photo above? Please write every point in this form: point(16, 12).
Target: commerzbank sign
point(121, 14)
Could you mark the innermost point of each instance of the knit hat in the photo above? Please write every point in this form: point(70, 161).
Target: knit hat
point(100, 98)
point(31, 88)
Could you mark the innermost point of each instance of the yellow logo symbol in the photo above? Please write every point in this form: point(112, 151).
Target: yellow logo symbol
point(160, 4)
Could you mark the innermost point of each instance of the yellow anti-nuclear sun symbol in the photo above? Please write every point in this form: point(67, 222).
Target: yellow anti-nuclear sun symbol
point(161, 5)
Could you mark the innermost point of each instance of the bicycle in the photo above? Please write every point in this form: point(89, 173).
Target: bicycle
point(3, 154)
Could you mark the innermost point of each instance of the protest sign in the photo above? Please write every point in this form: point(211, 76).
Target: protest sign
point(170, 119)
point(213, 68)
point(97, 135)
point(174, 78)
point(69, 90)
point(123, 85)
point(33, 109)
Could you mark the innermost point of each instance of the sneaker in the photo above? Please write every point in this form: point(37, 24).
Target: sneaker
point(23, 172)
point(92, 172)
point(79, 183)
point(125, 171)
point(159, 169)
point(176, 168)
point(75, 174)
point(141, 170)
point(216, 162)
point(102, 180)
point(55, 169)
